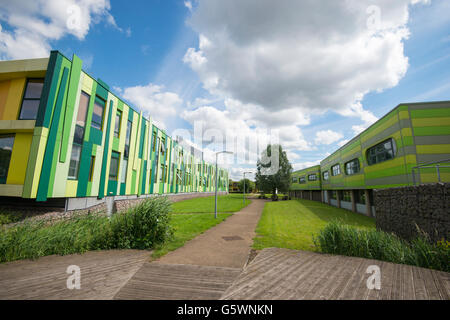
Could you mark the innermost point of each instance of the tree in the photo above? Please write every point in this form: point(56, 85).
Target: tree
point(249, 186)
point(270, 176)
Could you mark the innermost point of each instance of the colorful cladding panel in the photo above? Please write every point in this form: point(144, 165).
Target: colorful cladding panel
point(85, 141)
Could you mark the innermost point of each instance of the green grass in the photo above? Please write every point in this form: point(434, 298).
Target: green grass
point(187, 227)
point(225, 203)
point(9, 217)
point(291, 224)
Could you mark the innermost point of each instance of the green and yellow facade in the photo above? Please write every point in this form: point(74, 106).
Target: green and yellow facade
point(64, 134)
point(384, 156)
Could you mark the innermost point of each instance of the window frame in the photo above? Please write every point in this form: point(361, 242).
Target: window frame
point(97, 98)
point(79, 161)
point(30, 99)
point(328, 175)
point(377, 153)
point(349, 162)
point(311, 175)
point(337, 165)
point(117, 130)
point(116, 156)
point(13, 136)
point(302, 180)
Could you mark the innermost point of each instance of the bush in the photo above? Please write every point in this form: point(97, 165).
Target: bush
point(337, 238)
point(141, 227)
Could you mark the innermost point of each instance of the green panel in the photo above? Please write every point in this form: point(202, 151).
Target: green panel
point(101, 91)
point(122, 188)
point(72, 92)
point(115, 144)
point(430, 113)
point(112, 188)
point(52, 143)
point(49, 90)
point(101, 188)
point(432, 131)
point(85, 165)
point(103, 84)
point(133, 182)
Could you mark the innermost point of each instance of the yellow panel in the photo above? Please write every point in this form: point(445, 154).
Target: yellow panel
point(4, 90)
point(406, 132)
point(431, 122)
point(403, 115)
point(14, 99)
point(433, 148)
point(432, 177)
point(381, 128)
point(410, 159)
point(40, 135)
point(19, 158)
point(71, 188)
point(11, 190)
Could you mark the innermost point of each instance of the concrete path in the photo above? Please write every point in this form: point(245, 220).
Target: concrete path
point(292, 275)
point(204, 267)
point(227, 244)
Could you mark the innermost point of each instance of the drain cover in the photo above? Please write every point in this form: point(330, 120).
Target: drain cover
point(231, 238)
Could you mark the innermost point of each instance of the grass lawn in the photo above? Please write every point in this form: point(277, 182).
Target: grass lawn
point(291, 224)
point(225, 203)
point(187, 227)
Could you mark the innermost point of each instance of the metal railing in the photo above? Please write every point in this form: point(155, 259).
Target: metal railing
point(428, 165)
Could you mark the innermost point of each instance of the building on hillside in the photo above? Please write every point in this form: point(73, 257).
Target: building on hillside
point(66, 138)
point(409, 145)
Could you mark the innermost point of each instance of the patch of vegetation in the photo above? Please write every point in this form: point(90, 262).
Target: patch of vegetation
point(187, 227)
point(337, 238)
point(9, 217)
point(291, 224)
point(143, 226)
point(225, 203)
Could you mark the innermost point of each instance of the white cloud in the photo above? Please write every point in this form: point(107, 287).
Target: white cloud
point(341, 143)
point(327, 137)
point(304, 56)
point(27, 28)
point(303, 165)
point(188, 4)
point(153, 101)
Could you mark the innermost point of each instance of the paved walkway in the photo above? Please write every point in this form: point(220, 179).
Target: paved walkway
point(291, 275)
point(204, 267)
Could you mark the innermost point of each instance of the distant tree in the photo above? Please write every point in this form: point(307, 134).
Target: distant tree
point(269, 180)
point(249, 185)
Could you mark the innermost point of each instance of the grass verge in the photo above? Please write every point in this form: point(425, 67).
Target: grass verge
point(225, 203)
point(291, 224)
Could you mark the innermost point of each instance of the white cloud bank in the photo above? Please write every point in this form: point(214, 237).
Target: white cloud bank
point(28, 27)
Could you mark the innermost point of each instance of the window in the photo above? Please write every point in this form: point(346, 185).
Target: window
point(114, 165)
point(312, 177)
point(97, 115)
point(6, 145)
point(302, 180)
point(326, 175)
point(74, 164)
point(127, 140)
point(335, 170)
point(154, 141)
point(346, 196)
point(294, 180)
point(360, 196)
point(83, 107)
point(117, 123)
point(161, 177)
point(123, 171)
point(31, 99)
point(91, 168)
point(381, 152)
point(352, 167)
point(334, 195)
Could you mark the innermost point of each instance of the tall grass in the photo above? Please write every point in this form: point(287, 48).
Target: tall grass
point(337, 238)
point(140, 227)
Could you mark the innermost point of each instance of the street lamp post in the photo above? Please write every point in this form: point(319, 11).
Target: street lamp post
point(217, 153)
point(243, 200)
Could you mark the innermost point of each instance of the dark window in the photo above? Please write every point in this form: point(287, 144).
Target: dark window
point(302, 180)
point(31, 99)
point(154, 141)
point(334, 194)
point(114, 165)
point(91, 168)
point(74, 164)
point(346, 196)
point(335, 170)
point(312, 177)
point(127, 140)
point(381, 152)
point(360, 196)
point(78, 135)
point(294, 179)
point(97, 115)
point(117, 123)
point(352, 167)
point(6, 145)
point(83, 107)
point(326, 175)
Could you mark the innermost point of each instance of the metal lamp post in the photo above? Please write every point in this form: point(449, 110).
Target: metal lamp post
point(217, 153)
point(244, 186)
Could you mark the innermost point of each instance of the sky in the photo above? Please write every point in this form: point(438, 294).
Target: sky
point(308, 74)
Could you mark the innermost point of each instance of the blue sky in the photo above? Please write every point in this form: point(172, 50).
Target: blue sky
point(317, 73)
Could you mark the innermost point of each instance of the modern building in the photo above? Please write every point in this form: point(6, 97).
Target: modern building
point(64, 136)
point(410, 145)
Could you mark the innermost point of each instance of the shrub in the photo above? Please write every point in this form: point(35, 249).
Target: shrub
point(337, 238)
point(140, 227)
